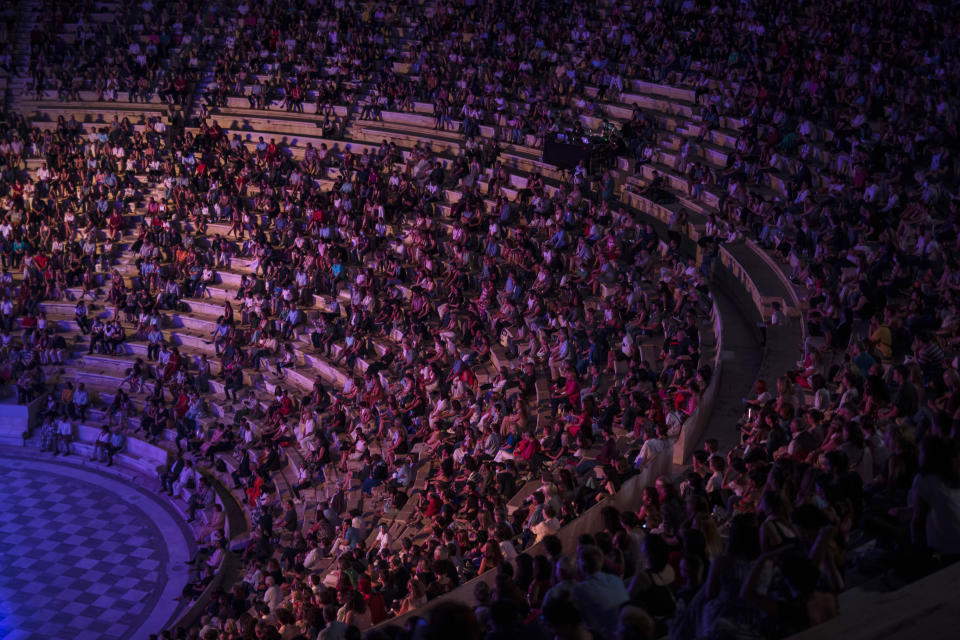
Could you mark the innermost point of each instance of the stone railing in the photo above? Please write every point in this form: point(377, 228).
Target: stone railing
point(696, 423)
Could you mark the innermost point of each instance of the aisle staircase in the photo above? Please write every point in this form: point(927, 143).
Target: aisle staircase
point(16, 84)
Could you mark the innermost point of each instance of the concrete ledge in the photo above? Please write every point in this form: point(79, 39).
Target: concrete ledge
point(927, 608)
point(694, 426)
point(15, 419)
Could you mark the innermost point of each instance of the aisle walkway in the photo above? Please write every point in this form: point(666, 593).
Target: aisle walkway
point(742, 357)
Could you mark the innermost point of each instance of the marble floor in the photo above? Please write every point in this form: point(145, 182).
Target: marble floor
point(84, 555)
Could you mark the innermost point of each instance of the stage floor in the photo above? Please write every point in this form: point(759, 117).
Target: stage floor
point(83, 554)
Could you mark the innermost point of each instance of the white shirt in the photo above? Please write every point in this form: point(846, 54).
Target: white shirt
point(273, 597)
point(383, 539)
point(312, 560)
point(650, 450)
point(545, 528)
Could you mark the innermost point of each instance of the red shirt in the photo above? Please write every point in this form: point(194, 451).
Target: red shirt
point(182, 405)
point(378, 610)
point(572, 390)
point(608, 452)
point(526, 448)
point(468, 377)
point(583, 422)
point(254, 492)
point(433, 507)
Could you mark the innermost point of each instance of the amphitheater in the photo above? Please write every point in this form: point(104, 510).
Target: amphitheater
point(397, 334)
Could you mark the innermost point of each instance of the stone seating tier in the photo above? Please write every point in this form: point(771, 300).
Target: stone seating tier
point(403, 127)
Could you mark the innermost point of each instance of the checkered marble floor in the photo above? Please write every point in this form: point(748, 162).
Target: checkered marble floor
point(80, 555)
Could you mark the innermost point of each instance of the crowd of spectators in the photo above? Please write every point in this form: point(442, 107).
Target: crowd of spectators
point(447, 284)
point(8, 25)
point(845, 126)
point(438, 285)
point(318, 52)
point(139, 50)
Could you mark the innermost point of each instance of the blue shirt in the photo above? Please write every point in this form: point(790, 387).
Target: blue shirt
point(353, 537)
point(864, 361)
point(599, 598)
point(559, 239)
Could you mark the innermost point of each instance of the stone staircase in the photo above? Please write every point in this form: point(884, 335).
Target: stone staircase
point(16, 83)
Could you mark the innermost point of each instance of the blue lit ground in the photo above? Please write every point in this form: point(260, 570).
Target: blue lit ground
point(83, 554)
